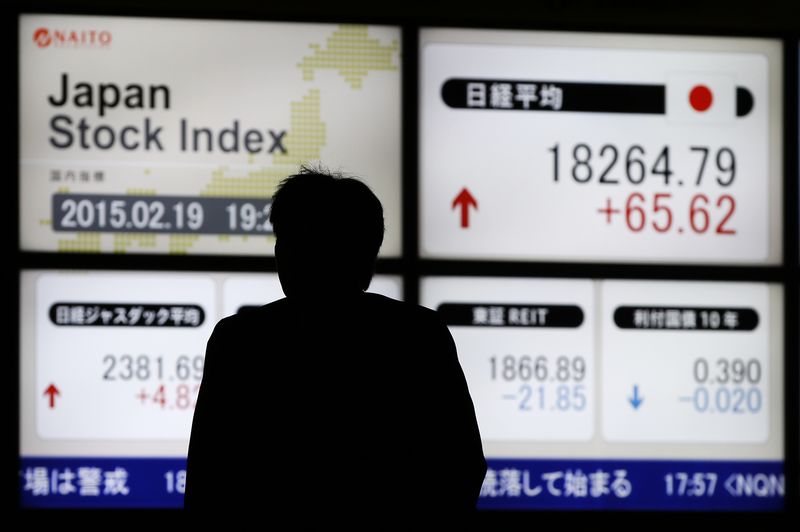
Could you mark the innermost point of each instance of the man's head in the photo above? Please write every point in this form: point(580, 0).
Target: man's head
point(329, 229)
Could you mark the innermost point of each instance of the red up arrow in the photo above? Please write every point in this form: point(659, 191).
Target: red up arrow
point(52, 391)
point(464, 199)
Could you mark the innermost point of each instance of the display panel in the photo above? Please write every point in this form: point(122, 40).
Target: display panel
point(634, 148)
point(170, 136)
point(630, 395)
point(110, 367)
point(603, 149)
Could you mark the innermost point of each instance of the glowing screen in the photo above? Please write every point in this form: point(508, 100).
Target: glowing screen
point(170, 136)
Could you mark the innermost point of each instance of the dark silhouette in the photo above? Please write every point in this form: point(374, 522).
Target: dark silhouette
point(333, 404)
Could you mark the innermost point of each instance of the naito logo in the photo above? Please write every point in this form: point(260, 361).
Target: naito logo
point(42, 37)
point(45, 37)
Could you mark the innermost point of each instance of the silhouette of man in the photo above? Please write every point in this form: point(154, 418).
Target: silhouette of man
point(333, 403)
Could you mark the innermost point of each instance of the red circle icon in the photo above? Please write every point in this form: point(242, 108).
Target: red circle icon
point(42, 37)
point(700, 98)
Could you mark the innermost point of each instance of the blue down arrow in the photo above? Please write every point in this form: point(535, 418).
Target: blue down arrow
point(636, 401)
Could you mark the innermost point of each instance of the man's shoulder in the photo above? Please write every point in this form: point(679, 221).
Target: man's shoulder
point(379, 300)
point(285, 312)
point(246, 317)
point(381, 303)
